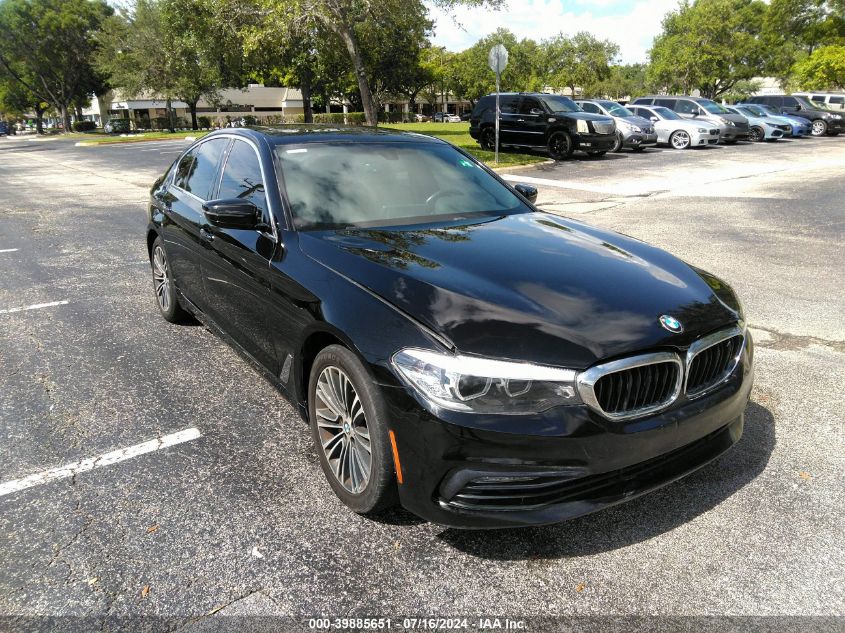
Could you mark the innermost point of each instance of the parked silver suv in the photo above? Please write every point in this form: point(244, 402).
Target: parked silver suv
point(732, 127)
point(631, 130)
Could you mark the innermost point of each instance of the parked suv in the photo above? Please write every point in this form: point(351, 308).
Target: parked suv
point(631, 130)
point(823, 121)
point(539, 120)
point(732, 127)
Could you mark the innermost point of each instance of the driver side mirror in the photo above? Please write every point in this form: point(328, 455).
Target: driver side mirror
point(536, 111)
point(232, 213)
point(527, 191)
point(654, 119)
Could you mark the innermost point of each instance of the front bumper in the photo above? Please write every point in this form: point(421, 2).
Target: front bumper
point(700, 139)
point(584, 462)
point(639, 139)
point(835, 126)
point(732, 133)
point(590, 142)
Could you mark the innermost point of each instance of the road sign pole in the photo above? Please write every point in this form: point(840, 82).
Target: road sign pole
point(498, 112)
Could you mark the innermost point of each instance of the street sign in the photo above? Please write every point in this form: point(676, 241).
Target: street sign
point(497, 59)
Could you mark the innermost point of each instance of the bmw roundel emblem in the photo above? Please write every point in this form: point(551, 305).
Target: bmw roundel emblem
point(671, 323)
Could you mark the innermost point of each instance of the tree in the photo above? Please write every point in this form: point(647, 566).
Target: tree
point(625, 80)
point(709, 45)
point(578, 61)
point(48, 46)
point(472, 77)
point(167, 48)
point(345, 18)
point(823, 69)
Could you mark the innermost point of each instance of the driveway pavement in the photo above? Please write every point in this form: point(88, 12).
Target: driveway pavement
point(213, 503)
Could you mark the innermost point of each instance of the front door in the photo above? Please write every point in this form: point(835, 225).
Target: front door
point(236, 266)
point(532, 123)
point(509, 127)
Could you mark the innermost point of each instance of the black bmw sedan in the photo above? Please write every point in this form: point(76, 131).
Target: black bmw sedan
point(453, 348)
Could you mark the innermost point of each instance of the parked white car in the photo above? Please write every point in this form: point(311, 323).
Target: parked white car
point(676, 131)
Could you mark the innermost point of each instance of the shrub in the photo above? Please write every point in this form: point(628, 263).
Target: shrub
point(118, 125)
point(84, 126)
point(204, 121)
point(249, 119)
point(339, 118)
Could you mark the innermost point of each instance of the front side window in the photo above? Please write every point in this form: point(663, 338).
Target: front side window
point(336, 185)
point(791, 102)
point(242, 178)
point(528, 104)
point(804, 102)
point(686, 107)
point(201, 179)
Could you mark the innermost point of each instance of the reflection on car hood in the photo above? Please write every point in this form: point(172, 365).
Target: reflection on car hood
point(530, 286)
point(637, 120)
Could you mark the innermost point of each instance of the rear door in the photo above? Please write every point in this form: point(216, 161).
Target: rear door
point(193, 179)
point(509, 126)
point(236, 262)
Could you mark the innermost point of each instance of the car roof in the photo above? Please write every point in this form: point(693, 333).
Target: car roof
point(302, 133)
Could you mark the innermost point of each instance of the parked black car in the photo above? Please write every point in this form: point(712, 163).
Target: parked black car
point(541, 121)
point(822, 121)
point(451, 346)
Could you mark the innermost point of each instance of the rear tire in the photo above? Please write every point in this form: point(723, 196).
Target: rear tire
point(165, 289)
point(487, 139)
point(819, 127)
point(560, 145)
point(348, 419)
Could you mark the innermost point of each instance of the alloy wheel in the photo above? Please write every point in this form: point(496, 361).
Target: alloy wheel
point(755, 134)
point(488, 140)
point(819, 127)
point(342, 429)
point(560, 146)
point(680, 140)
point(161, 280)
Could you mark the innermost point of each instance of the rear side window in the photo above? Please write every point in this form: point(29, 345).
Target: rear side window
point(201, 180)
point(242, 178)
point(184, 169)
point(817, 98)
point(666, 103)
point(590, 107)
point(528, 104)
point(643, 101)
point(686, 107)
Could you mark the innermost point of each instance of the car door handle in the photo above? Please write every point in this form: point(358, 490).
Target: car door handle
point(206, 235)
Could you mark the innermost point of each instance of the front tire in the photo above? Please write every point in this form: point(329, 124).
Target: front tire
point(819, 127)
point(560, 145)
point(348, 419)
point(680, 140)
point(756, 134)
point(163, 285)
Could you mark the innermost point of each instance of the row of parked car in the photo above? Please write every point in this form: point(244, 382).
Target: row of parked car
point(561, 126)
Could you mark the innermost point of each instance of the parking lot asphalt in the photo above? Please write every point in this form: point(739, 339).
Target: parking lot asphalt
point(240, 520)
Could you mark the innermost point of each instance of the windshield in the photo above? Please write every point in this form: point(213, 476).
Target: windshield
point(711, 106)
point(614, 109)
point(666, 113)
point(336, 185)
point(806, 103)
point(765, 107)
point(745, 111)
point(557, 103)
point(755, 110)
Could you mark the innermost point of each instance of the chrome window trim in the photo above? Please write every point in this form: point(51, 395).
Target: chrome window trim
point(707, 342)
point(586, 381)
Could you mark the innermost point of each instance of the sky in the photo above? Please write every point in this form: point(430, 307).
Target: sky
point(632, 24)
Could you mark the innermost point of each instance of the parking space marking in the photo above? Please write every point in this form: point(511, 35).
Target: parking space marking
point(35, 306)
point(106, 459)
point(8, 250)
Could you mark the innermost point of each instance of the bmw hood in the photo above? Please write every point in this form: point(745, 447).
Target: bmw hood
point(530, 286)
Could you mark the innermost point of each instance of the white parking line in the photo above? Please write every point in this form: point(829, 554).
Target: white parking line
point(106, 459)
point(8, 250)
point(36, 306)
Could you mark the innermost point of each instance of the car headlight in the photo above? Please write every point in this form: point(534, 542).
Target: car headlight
point(582, 126)
point(726, 121)
point(835, 116)
point(483, 385)
point(702, 130)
